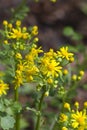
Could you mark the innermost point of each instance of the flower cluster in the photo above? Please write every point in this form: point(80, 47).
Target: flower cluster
point(30, 62)
point(74, 119)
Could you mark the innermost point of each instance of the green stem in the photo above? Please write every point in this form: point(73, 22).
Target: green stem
point(39, 115)
point(17, 118)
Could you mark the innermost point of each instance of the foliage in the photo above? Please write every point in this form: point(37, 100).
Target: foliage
point(29, 70)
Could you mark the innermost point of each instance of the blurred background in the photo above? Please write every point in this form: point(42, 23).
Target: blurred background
point(63, 22)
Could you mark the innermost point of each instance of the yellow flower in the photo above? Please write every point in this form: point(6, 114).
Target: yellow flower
point(50, 54)
point(51, 68)
point(50, 80)
point(10, 25)
point(65, 72)
point(3, 88)
point(63, 117)
point(36, 51)
point(64, 53)
point(5, 22)
point(35, 30)
point(25, 35)
point(18, 56)
point(64, 128)
point(79, 119)
point(15, 34)
point(5, 42)
point(81, 72)
point(18, 23)
point(85, 104)
point(76, 104)
point(74, 77)
point(67, 105)
point(30, 71)
point(18, 78)
point(79, 77)
point(71, 59)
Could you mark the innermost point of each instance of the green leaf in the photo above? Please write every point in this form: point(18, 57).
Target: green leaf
point(68, 31)
point(7, 122)
point(2, 108)
point(17, 107)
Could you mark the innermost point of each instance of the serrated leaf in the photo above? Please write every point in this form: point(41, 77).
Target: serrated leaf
point(7, 122)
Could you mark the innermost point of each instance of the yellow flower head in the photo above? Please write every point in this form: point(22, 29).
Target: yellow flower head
point(74, 77)
point(79, 119)
point(18, 78)
point(5, 22)
point(5, 42)
point(67, 105)
point(18, 23)
point(63, 53)
point(15, 34)
point(50, 80)
point(3, 88)
point(76, 104)
point(63, 117)
point(18, 56)
point(85, 104)
point(79, 77)
point(81, 72)
point(65, 72)
point(35, 30)
point(10, 25)
point(51, 68)
point(64, 128)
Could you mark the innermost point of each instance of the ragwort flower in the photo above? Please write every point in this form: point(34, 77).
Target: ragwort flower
point(63, 53)
point(50, 68)
point(79, 120)
point(3, 88)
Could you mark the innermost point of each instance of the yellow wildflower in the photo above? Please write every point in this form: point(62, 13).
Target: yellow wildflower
point(5, 41)
point(51, 68)
point(63, 53)
point(50, 54)
point(67, 105)
point(30, 71)
point(5, 22)
point(79, 119)
point(79, 77)
point(63, 117)
point(3, 88)
point(10, 25)
point(35, 30)
point(24, 29)
point(64, 128)
point(35, 51)
point(74, 77)
point(81, 72)
point(85, 104)
point(65, 72)
point(76, 104)
point(18, 78)
point(15, 34)
point(50, 80)
point(25, 35)
point(18, 56)
point(71, 59)
point(18, 23)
